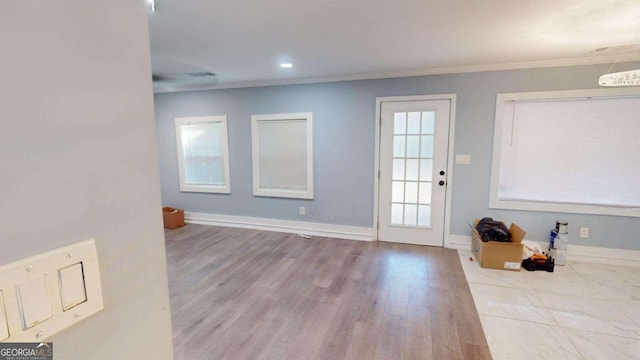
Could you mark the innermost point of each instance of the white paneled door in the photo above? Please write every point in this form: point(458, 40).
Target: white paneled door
point(414, 141)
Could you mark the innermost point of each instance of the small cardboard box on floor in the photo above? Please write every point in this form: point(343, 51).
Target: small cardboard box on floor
point(496, 254)
point(172, 218)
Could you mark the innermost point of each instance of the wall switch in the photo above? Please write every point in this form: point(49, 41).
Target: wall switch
point(72, 286)
point(584, 232)
point(463, 159)
point(302, 211)
point(35, 306)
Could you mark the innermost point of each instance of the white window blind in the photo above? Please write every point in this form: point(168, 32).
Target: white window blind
point(574, 152)
point(203, 154)
point(282, 155)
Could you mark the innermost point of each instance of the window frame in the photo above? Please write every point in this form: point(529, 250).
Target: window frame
point(255, 146)
point(214, 189)
point(496, 203)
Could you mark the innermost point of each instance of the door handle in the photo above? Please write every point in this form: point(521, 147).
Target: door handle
point(441, 172)
point(441, 182)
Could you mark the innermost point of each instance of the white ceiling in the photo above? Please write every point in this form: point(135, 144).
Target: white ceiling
point(245, 41)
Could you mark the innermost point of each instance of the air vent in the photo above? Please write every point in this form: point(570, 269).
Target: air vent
point(200, 74)
point(617, 49)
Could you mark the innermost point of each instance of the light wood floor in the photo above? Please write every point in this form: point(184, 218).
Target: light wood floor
point(248, 294)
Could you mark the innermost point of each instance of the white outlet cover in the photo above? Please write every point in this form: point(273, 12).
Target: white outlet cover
point(584, 233)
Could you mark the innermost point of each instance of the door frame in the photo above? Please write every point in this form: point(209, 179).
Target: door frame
point(450, 158)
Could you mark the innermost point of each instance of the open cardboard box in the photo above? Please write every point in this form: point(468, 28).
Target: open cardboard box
point(496, 254)
point(172, 218)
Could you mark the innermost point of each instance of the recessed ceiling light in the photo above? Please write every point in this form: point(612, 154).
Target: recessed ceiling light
point(286, 65)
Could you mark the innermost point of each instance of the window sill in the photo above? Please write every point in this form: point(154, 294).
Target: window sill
point(565, 208)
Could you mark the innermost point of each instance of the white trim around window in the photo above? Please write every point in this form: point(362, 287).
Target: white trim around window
point(282, 154)
point(203, 154)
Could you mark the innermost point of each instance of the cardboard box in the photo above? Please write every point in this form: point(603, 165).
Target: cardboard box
point(173, 218)
point(496, 254)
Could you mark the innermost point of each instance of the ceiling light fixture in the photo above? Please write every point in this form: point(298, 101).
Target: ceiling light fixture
point(624, 78)
point(152, 5)
point(286, 65)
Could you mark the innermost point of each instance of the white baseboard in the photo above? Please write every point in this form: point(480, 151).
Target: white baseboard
point(582, 253)
point(286, 226)
point(600, 255)
point(458, 242)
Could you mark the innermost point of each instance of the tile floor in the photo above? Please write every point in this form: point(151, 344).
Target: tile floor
point(580, 311)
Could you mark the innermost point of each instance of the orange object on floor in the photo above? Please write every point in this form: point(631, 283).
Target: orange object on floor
point(173, 218)
point(538, 257)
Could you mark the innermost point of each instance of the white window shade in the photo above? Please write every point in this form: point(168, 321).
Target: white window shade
point(283, 150)
point(203, 154)
point(282, 155)
point(568, 154)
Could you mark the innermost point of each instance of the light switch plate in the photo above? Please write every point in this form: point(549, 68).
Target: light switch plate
point(463, 159)
point(47, 265)
point(35, 305)
point(4, 330)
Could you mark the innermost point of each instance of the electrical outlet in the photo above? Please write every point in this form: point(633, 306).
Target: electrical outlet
point(302, 211)
point(584, 232)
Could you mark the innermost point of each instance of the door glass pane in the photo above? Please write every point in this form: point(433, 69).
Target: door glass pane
point(398, 146)
point(411, 193)
point(424, 193)
point(400, 123)
point(413, 149)
point(410, 215)
point(397, 191)
point(428, 122)
point(412, 169)
point(397, 214)
point(426, 146)
point(424, 215)
point(426, 169)
point(398, 169)
point(413, 146)
point(413, 124)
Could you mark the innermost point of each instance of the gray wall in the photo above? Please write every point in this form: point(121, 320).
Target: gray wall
point(78, 160)
point(344, 129)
